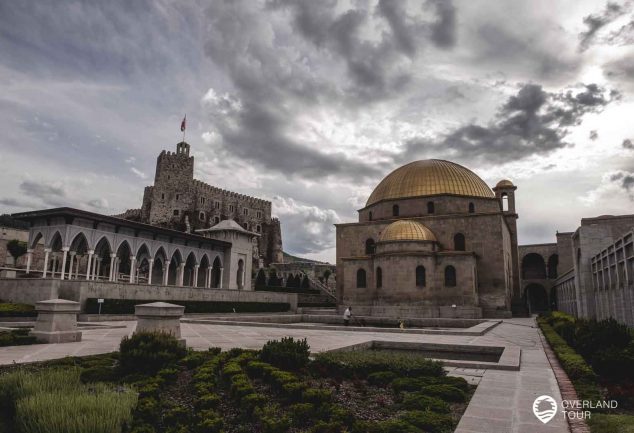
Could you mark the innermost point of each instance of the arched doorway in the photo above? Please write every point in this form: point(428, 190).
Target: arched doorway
point(536, 298)
point(190, 266)
point(174, 268)
point(202, 272)
point(102, 258)
point(158, 268)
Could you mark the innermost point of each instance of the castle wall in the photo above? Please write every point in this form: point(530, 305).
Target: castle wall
point(178, 201)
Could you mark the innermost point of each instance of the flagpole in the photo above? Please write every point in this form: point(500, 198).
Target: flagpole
point(185, 128)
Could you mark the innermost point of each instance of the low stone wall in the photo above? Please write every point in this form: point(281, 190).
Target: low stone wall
point(30, 291)
point(394, 311)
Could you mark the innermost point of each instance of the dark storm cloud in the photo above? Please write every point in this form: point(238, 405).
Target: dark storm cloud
point(627, 144)
point(623, 179)
point(532, 122)
point(272, 87)
point(596, 22)
point(593, 135)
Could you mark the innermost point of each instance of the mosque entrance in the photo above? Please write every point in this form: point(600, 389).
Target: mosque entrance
point(536, 298)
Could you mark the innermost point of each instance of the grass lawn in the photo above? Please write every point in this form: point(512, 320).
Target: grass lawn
point(605, 423)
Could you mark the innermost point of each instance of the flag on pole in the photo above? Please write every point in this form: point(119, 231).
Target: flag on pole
point(184, 123)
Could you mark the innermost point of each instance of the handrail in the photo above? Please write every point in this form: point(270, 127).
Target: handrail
point(322, 287)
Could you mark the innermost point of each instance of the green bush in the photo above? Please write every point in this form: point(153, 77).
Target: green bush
point(287, 353)
point(149, 352)
point(300, 413)
point(615, 364)
point(126, 306)
point(410, 383)
point(17, 310)
point(317, 396)
point(389, 426)
point(593, 337)
point(210, 424)
point(327, 427)
point(566, 330)
point(429, 421)
point(445, 392)
point(99, 374)
point(207, 401)
point(16, 337)
point(421, 401)
point(365, 362)
point(381, 378)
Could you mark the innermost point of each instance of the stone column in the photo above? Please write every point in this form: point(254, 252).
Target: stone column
point(181, 274)
point(209, 274)
point(56, 321)
point(29, 259)
point(77, 269)
point(45, 269)
point(65, 254)
point(132, 268)
point(195, 276)
point(70, 266)
point(149, 275)
point(113, 256)
point(221, 274)
point(166, 273)
point(159, 317)
point(93, 276)
point(89, 263)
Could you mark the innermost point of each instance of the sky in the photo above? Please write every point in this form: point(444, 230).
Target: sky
point(310, 104)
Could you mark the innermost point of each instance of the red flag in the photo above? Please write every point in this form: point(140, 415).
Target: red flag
point(183, 123)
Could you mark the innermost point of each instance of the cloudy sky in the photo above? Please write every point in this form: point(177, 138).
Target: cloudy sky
point(310, 103)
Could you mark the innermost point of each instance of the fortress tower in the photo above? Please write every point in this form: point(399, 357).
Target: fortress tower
point(180, 202)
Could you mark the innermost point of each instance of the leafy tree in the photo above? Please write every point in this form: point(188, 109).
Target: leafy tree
point(305, 282)
point(260, 280)
point(16, 248)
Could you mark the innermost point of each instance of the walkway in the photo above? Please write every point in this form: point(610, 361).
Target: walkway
point(502, 402)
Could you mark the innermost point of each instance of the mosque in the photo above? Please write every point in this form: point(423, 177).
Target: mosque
point(433, 240)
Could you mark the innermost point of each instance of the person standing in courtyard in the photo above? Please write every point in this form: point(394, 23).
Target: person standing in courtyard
point(346, 316)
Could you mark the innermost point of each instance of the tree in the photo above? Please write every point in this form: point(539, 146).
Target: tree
point(16, 248)
point(260, 280)
point(305, 282)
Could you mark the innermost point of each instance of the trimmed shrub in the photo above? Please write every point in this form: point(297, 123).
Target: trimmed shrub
point(422, 401)
point(126, 306)
point(16, 337)
point(149, 352)
point(445, 392)
point(381, 378)
point(98, 374)
point(327, 427)
point(593, 337)
point(300, 413)
point(362, 363)
point(389, 426)
point(17, 310)
point(287, 353)
point(429, 421)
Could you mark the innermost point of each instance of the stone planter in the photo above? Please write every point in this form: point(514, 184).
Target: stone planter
point(56, 321)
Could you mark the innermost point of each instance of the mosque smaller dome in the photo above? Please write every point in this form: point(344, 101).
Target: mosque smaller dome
point(504, 183)
point(407, 230)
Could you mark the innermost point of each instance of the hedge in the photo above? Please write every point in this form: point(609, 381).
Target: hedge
point(16, 337)
point(126, 306)
point(17, 310)
point(582, 376)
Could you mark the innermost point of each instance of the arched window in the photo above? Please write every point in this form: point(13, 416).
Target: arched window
point(420, 276)
point(369, 246)
point(379, 278)
point(533, 266)
point(395, 210)
point(450, 276)
point(430, 207)
point(471, 208)
point(505, 202)
point(216, 220)
point(370, 216)
point(459, 242)
point(361, 284)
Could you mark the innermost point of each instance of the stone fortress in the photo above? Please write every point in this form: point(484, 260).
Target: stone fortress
point(432, 241)
point(180, 202)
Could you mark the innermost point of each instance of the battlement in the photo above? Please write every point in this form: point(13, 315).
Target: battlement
point(205, 187)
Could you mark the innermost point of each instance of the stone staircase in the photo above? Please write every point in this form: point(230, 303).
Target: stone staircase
point(323, 288)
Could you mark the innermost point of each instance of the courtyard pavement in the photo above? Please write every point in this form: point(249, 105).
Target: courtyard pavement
point(502, 402)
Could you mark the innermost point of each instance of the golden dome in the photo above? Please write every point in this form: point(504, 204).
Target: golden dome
point(429, 177)
point(504, 183)
point(407, 230)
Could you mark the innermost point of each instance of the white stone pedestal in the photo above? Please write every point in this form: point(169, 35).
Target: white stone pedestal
point(57, 321)
point(160, 317)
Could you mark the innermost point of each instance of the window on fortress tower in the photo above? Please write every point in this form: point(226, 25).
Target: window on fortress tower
point(178, 196)
point(259, 214)
point(450, 276)
point(258, 228)
point(379, 278)
point(505, 202)
point(430, 207)
point(230, 208)
point(246, 211)
point(420, 276)
point(202, 200)
point(471, 208)
point(217, 205)
point(459, 242)
point(176, 212)
point(201, 216)
point(246, 226)
point(216, 220)
point(370, 216)
point(361, 284)
point(395, 210)
point(162, 196)
point(369, 246)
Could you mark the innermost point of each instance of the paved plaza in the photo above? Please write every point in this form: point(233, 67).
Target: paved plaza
point(502, 402)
